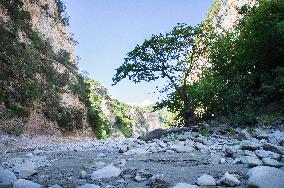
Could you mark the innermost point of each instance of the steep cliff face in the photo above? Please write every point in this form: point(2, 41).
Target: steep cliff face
point(225, 14)
point(46, 19)
point(47, 24)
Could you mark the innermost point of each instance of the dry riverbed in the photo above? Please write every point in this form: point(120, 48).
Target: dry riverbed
point(180, 160)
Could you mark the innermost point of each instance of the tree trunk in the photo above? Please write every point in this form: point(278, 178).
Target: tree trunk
point(188, 113)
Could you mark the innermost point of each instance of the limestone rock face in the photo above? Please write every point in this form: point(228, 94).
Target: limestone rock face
point(227, 15)
point(46, 20)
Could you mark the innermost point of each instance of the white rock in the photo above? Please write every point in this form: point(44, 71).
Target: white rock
point(170, 151)
point(230, 180)
point(266, 177)
point(162, 144)
point(251, 161)
point(7, 177)
point(21, 183)
point(267, 154)
point(29, 155)
point(138, 178)
point(184, 185)
point(182, 149)
point(106, 172)
point(25, 170)
point(272, 162)
point(222, 161)
point(83, 174)
point(88, 186)
point(206, 180)
point(101, 155)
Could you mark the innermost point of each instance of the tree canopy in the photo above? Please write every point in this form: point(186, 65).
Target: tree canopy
point(176, 56)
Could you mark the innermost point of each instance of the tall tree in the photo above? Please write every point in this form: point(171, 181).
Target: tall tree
point(176, 56)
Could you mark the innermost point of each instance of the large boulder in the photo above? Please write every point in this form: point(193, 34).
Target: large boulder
point(106, 172)
point(273, 148)
point(250, 161)
point(230, 180)
point(266, 177)
point(21, 183)
point(248, 145)
point(276, 138)
point(158, 133)
point(7, 177)
point(267, 154)
point(206, 180)
point(272, 162)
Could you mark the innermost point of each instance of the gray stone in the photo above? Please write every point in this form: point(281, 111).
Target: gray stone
point(7, 177)
point(271, 162)
point(184, 185)
point(206, 180)
point(273, 148)
point(250, 161)
point(106, 172)
point(182, 149)
point(83, 174)
point(136, 151)
point(248, 145)
point(21, 183)
point(229, 152)
point(230, 180)
point(267, 154)
point(266, 177)
point(88, 186)
point(25, 170)
point(276, 138)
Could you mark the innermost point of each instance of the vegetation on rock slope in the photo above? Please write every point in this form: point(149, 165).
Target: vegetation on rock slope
point(30, 79)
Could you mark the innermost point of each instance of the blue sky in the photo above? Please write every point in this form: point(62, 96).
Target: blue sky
point(107, 29)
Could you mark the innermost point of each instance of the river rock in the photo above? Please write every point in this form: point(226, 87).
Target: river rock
point(21, 183)
point(250, 161)
point(267, 154)
point(266, 177)
point(182, 149)
point(272, 162)
point(230, 180)
point(229, 152)
point(273, 148)
point(206, 180)
point(248, 145)
point(7, 177)
point(106, 172)
point(184, 185)
point(276, 138)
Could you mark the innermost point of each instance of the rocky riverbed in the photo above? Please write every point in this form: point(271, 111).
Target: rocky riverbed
point(181, 159)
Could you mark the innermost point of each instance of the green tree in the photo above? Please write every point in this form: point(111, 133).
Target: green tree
point(175, 56)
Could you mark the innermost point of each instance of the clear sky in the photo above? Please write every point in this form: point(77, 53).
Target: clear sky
point(107, 29)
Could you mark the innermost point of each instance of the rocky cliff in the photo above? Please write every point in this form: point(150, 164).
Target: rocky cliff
point(43, 93)
point(225, 13)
